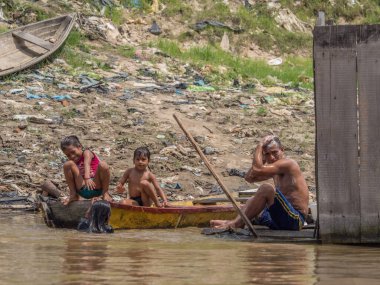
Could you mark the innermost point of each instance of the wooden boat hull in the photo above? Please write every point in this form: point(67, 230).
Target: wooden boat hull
point(25, 46)
point(131, 217)
point(134, 217)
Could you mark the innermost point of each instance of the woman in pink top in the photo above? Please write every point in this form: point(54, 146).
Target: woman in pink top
point(85, 174)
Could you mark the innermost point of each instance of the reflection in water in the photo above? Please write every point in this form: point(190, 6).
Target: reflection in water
point(32, 253)
point(347, 265)
point(280, 264)
point(83, 256)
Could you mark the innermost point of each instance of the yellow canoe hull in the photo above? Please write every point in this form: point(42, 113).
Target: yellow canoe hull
point(132, 217)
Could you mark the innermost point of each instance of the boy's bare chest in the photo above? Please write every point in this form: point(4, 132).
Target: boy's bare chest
point(136, 178)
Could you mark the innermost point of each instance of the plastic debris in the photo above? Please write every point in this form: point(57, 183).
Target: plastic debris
point(30, 96)
point(236, 172)
point(275, 61)
point(204, 24)
point(160, 136)
point(171, 186)
point(16, 91)
point(196, 88)
point(208, 150)
point(155, 29)
point(61, 97)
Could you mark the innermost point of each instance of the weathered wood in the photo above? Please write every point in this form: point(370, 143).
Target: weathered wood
point(33, 39)
point(51, 189)
point(217, 178)
point(337, 133)
point(25, 46)
point(320, 19)
point(369, 120)
point(68, 216)
point(210, 201)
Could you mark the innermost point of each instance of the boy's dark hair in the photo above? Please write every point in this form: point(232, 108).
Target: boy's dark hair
point(141, 151)
point(70, 140)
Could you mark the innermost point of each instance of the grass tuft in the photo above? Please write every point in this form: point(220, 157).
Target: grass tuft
point(296, 71)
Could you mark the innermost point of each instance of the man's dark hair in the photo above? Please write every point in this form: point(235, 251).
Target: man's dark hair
point(141, 151)
point(275, 140)
point(70, 140)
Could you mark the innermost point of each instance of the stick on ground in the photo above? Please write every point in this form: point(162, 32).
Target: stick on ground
point(211, 169)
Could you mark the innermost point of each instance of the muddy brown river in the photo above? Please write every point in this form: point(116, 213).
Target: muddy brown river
point(31, 253)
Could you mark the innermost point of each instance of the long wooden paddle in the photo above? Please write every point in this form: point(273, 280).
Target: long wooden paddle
point(228, 194)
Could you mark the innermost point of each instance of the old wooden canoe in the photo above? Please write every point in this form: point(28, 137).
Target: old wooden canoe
point(25, 46)
point(134, 217)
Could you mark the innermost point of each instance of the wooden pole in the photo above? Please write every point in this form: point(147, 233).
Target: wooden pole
point(209, 166)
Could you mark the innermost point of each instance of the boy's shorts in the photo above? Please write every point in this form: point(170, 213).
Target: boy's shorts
point(281, 215)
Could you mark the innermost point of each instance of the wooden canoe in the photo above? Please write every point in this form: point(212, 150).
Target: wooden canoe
point(25, 46)
point(134, 217)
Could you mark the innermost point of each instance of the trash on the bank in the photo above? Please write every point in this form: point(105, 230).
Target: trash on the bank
point(16, 91)
point(30, 96)
point(89, 83)
point(236, 172)
point(208, 150)
point(171, 186)
point(181, 85)
point(160, 136)
point(204, 24)
point(35, 88)
point(275, 61)
point(138, 122)
point(195, 171)
point(196, 88)
point(126, 96)
point(155, 29)
point(62, 86)
point(199, 82)
point(61, 97)
point(225, 43)
point(120, 77)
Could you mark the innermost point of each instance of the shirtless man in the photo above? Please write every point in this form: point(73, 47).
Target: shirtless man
point(282, 207)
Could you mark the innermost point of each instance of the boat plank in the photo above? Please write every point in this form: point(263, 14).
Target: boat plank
point(33, 39)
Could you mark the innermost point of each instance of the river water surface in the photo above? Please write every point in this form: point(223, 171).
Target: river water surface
point(31, 253)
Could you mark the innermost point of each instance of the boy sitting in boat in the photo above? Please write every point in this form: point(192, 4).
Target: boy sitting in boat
point(283, 206)
point(142, 184)
point(85, 174)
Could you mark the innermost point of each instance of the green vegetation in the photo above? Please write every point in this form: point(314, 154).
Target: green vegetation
point(126, 51)
point(361, 12)
point(295, 70)
point(177, 7)
point(261, 111)
point(115, 14)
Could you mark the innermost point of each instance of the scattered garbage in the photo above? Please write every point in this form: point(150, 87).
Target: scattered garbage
point(236, 172)
point(208, 150)
point(225, 43)
point(199, 26)
point(16, 91)
point(275, 61)
point(155, 29)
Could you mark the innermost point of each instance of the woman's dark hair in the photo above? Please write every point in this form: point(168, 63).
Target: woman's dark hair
point(141, 151)
point(70, 140)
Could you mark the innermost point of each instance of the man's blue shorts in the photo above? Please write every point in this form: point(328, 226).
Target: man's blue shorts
point(281, 215)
